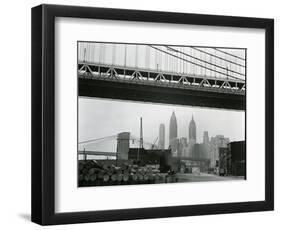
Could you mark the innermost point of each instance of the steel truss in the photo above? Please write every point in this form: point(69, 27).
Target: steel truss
point(160, 78)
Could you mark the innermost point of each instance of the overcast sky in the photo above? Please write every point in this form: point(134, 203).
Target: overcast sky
point(106, 117)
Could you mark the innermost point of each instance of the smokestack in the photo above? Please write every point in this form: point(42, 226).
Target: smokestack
point(141, 139)
point(141, 135)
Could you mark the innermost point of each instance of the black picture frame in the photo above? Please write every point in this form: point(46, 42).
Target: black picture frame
point(43, 114)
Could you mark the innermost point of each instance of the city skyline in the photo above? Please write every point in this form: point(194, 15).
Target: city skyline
point(153, 115)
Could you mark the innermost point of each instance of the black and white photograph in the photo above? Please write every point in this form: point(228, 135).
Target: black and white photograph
point(133, 141)
point(150, 113)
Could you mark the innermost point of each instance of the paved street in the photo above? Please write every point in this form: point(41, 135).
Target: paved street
point(185, 177)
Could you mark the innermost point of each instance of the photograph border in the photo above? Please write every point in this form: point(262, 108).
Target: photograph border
point(43, 114)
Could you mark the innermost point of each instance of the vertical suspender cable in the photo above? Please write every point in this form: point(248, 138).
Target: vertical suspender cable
point(160, 60)
point(136, 57)
point(84, 58)
point(89, 52)
point(216, 64)
point(182, 66)
point(176, 64)
point(94, 52)
point(165, 62)
point(113, 53)
point(86, 51)
point(205, 65)
point(104, 54)
point(99, 46)
point(101, 50)
point(211, 72)
point(125, 55)
point(147, 57)
point(225, 65)
point(156, 60)
point(192, 66)
point(186, 63)
point(80, 57)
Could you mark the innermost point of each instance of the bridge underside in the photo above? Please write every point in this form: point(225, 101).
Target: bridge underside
point(94, 87)
point(128, 83)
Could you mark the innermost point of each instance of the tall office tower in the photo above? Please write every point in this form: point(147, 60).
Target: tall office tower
point(173, 133)
point(161, 143)
point(205, 137)
point(192, 130)
point(182, 150)
point(217, 142)
point(206, 147)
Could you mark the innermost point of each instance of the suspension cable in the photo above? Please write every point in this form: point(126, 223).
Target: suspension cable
point(217, 71)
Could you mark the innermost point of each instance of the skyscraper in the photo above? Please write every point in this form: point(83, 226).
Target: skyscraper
point(161, 143)
point(173, 128)
point(205, 147)
point(192, 130)
point(217, 142)
point(173, 133)
point(205, 137)
point(182, 150)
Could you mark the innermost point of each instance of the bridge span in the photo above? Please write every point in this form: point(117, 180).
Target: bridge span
point(208, 77)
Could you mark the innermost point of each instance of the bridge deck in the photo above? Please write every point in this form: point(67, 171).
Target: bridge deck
point(161, 87)
point(160, 78)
